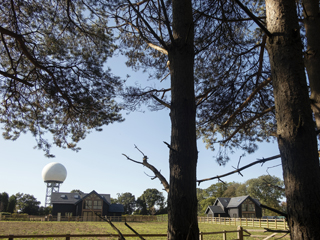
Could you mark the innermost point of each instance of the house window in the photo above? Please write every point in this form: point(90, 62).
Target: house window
point(88, 204)
point(248, 206)
point(97, 204)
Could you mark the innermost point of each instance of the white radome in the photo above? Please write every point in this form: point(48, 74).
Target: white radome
point(54, 172)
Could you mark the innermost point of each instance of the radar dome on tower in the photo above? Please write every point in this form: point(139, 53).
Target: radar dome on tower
point(54, 172)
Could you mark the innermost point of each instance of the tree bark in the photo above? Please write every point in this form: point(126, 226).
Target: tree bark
point(295, 127)
point(182, 199)
point(312, 55)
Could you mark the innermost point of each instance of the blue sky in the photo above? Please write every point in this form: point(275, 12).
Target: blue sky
point(100, 165)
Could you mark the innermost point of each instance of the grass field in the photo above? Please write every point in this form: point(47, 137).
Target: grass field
point(41, 228)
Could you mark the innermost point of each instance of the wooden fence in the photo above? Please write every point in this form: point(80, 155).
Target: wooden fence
point(133, 218)
point(240, 235)
point(247, 222)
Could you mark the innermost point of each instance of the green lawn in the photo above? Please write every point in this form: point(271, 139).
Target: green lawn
point(41, 228)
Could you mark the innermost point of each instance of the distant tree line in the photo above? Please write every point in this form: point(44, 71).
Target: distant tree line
point(269, 190)
point(22, 203)
point(151, 202)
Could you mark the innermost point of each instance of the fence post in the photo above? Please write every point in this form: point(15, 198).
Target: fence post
point(240, 233)
point(284, 224)
point(67, 236)
point(10, 237)
point(224, 235)
point(259, 222)
point(276, 223)
point(200, 236)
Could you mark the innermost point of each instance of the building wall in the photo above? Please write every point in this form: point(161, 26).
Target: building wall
point(234, 212)
point(105, 209)
point(63, 208)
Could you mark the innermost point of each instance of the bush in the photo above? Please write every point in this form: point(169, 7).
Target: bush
point(5, 213)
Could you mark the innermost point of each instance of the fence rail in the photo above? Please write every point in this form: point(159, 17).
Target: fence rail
point(79, 218)
point(247, 222)
point(239, 231)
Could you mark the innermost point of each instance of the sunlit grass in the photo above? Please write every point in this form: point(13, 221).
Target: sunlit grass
point(42, 228)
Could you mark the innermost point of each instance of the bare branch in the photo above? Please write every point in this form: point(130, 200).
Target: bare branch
point(121, 237)
point(115, 228)
point(274, 210)
point(277, 231)
point(135, 232)
point(145, 163)
point(169, 146)
point(160, 101)
point(240, 169)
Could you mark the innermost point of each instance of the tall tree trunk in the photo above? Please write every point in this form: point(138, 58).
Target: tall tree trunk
point(295, 127)
point(312, 56)
point(182, 199)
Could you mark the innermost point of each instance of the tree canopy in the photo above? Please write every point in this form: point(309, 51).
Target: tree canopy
point(150, 202)
point(128, 201)
point(52, 74)
point(27, 203)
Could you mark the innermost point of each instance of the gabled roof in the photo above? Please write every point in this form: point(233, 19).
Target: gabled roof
point(74, 198)
point(66, 198)
point(104, 197)
point(236, 201)
point(214, 209)
point(223, 201)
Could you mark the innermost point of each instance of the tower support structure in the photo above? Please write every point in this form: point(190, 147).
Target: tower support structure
point(51, 187)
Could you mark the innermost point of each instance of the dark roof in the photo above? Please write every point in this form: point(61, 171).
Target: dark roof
point(116, 208)
point(223, 201)
point(74, 198)
point(215, 209)
point(66, 198)
point(104, 197)
point(236, 201)
point(257, 201)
